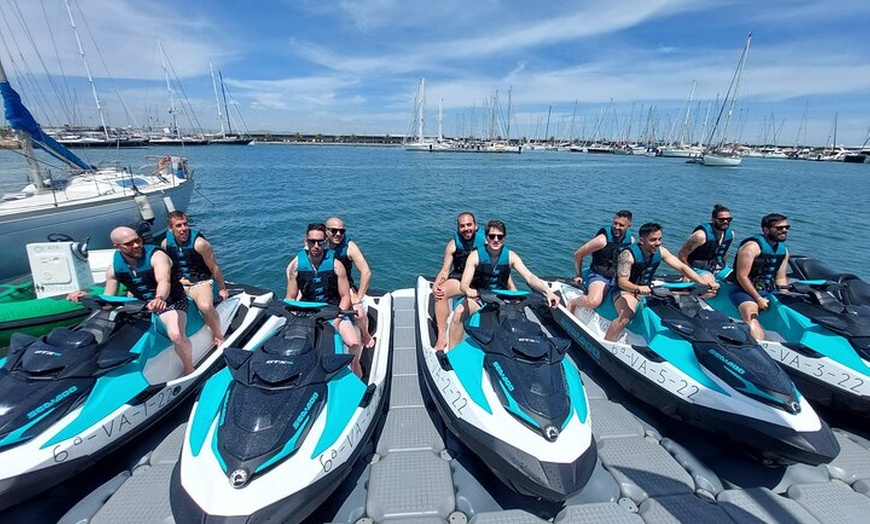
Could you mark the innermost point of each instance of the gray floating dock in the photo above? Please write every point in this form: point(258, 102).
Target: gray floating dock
point(642, 478)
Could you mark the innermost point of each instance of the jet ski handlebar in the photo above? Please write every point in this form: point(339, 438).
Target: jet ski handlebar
point(669, 289)
point(289, 308)
point(131, 306)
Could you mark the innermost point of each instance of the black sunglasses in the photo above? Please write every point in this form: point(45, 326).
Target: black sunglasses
point(315, 242)
point(782, 228)
point(726, 219)
point(336, 230)
point(495, 236)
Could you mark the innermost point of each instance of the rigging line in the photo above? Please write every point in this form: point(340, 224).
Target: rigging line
point(65, 97)
point(191, 114)
point(84, 21)
point(17, 13)
point(198, 192)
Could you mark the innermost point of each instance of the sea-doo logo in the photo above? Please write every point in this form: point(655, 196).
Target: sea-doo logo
point(727, 362)
point(46, 352)
point(48, 405)
point(507, 381)
point(551, 433)
point(531, 340)
point(308, 406)
point(239, 478)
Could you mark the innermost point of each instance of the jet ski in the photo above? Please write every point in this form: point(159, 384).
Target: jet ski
point(819, 331)
point(70, 397)
point(274, 433)
point(699, 366)
point(510, 394)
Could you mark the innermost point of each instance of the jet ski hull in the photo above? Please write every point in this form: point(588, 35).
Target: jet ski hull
point(521, 458)
point(823, 363)
point(120, 405)
point(679, 386)
point(291, 487)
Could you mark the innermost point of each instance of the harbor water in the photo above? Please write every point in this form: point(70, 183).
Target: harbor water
point(253, 202)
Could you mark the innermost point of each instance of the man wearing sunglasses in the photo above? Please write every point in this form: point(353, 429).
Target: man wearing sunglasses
point(489, 268)
point(198, 269)
point(465, 240)
point(314, 276)
point(349, 254)
point(706, 248)
point(150, 276)
point(760, 267)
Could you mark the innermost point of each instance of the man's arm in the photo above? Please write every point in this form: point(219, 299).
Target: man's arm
point(685, 269)
point(468, 275)
point(343, 287)
point(694, 241)
point(623, 272)
point(745, 256)
point(449, 250)
point(112, 283)
point(532, 280)
point(781, 278)
point(365, 273)
point(292, 286)
point(596, 244)
point(162, 265)
point(203, 247)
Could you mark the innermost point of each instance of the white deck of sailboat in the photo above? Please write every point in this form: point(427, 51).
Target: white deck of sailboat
point(643, 476)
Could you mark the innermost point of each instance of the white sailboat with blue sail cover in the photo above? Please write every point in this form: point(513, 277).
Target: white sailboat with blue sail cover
point(86, 200)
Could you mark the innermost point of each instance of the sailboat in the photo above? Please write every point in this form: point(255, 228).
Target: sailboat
point(88, 201)
point(719, 152)
point(226, 136)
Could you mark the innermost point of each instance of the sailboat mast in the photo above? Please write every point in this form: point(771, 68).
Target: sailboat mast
point(226, 107)
point(217, 99)
point(172, 111)
point(440, 119)
point(72, 23)
point(421, 106)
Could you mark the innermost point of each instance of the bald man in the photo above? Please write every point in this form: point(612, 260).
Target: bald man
point(149, 275)
point(349, 254)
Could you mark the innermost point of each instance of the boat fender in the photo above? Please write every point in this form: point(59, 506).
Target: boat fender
point(170, 205)
point(145, 210)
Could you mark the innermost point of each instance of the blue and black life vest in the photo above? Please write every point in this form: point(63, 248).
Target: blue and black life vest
point(190, 264)
point(711, 254)
point(140, 279)
point(317, 285)
point(489, 275)
point(463, 249)
point(340, 254)
point(643, 268)
point(762, 274)
point(604, 260)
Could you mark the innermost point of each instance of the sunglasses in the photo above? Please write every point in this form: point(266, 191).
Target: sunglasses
point(495, 236)
point(315, 241)
point(726, 219)
point(336, 230)
point(781, 228)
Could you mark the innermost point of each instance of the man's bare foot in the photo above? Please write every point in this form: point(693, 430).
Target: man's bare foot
point(573, 304)
point(441, 343)
point(218, 341)
point(370, 343)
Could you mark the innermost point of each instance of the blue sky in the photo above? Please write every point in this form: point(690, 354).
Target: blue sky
point(354, 66)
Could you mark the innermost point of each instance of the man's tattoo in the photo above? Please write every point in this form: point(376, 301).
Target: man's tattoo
point(623, 268)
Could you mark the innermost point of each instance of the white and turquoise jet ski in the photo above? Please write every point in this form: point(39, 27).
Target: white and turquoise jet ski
point(70, 397)
point(275, 432)
point(819, 332)
point(699, 366)
point(511, 394)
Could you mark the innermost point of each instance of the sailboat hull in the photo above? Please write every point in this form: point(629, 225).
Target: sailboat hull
point(94, 218)
point(708, 159)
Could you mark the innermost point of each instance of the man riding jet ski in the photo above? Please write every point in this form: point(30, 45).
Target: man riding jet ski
point(510, 393)
point(273, 434)
point(699, 366)
point(70, 397)
point(818, 330)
